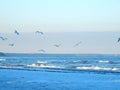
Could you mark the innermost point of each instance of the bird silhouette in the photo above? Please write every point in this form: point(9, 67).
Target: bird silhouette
point(77, 44)
point(119, 39)
point(2, 38)
point(57, 45)
point(41, 50)
point(12, 44)
point(16, 32)
point(39, 32)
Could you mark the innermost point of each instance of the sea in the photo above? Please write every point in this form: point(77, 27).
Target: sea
point(59, 71)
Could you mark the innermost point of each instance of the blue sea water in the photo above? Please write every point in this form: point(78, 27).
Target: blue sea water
point(59, 72)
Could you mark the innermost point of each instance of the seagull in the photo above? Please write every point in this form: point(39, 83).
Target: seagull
point(16, 32)
point(12, 44)
point(77, 44)
point(39, 32)
point(57, 45)
point(41, 50)
point(2, 38)
point(119, 39)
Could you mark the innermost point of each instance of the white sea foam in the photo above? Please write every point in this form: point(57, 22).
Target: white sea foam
point(42, 62)
point(97, 68)
point(41, 65)
point(9, 66)
point(103, 61)
point(75, 61)
point(2, 59)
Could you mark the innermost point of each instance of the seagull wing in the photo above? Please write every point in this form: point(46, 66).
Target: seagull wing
point(118, 39)
point(16, 32)
point(77, 44)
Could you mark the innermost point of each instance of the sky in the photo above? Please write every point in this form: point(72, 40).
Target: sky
point(70, 42)
point(59, 15)
point(95, 23)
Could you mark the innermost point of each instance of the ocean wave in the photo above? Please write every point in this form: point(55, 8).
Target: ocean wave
point(57, 68)
point(41, 65)
point(2, 59)
point(103, 61)
point(97, 68)
point(42, 62)
point(108, 62)
point(12, 66)
point(67, 69)
point(78, 62)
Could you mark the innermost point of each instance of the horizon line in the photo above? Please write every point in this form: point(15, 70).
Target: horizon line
point(63, 53)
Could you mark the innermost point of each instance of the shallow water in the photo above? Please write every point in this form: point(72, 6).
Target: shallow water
point(59, 72)
point(40, 80)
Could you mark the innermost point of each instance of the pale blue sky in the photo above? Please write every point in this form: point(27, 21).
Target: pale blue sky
point(91, 16)
point(59, 15)
point(91, 42)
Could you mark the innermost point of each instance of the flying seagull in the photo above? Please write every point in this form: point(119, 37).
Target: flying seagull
point(119, 39)
point(39, 32)
point(12, 44)
point(2, 38)
point(16, 32)
point(41, 50)
point(57, 45)
point(77, 44)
